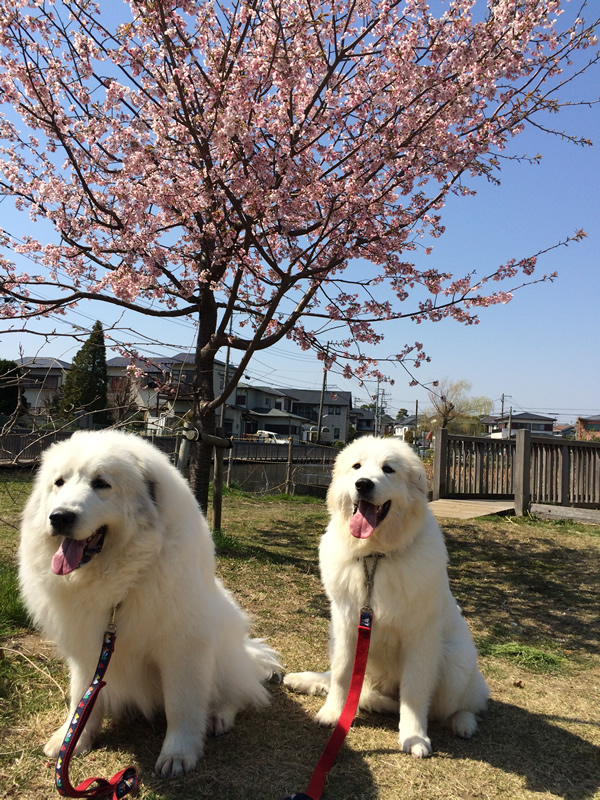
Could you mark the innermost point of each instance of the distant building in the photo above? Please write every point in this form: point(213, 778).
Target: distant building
point(404, 427)
point(564, 431)
point(334, 407)
point(162, 394)
point(366, 423)
point(588, 428)
point(503, 427)
point(42, 381)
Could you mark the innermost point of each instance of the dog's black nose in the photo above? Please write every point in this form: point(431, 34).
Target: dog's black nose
point(364, 485)
point(62, 519)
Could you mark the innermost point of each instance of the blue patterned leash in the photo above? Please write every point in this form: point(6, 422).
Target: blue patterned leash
point(125, 781)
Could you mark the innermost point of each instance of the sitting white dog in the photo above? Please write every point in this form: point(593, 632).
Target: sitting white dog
point(422, 658)
point(112, 524)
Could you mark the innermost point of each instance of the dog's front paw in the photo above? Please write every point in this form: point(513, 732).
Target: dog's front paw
point(170, 765)
point(464, 724)
point(417, 746)
point(308, 682)
point(180, 753)
point(54, 743)
point(221, 722)
point(328, 716)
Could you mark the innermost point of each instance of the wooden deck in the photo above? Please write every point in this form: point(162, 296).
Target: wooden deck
point(468, 509)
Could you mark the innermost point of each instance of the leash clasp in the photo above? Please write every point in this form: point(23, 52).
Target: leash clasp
point(112, 628)
point(366, 617)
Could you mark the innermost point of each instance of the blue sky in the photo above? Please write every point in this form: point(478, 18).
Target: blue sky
point(540, 350)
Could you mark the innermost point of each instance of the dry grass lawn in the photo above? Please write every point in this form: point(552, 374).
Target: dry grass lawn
point(530, 591)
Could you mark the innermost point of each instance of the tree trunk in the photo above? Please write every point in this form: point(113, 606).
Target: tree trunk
point(203, 393)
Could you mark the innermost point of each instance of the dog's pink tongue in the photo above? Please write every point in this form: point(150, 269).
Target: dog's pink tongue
point(68, 556)
point(364, 520)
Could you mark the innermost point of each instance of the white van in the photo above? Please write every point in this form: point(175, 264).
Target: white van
point(269, 436)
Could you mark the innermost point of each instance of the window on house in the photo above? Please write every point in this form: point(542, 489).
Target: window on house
point(306, 410)
point(336, 433)
point(240, 399)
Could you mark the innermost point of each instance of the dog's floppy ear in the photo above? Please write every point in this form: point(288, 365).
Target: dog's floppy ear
point(148, 491)
point(417, 476)
point(151, 485)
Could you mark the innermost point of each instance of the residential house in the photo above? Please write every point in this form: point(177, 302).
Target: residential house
point(43, 379)
point(162, 393)
point(159, 392)
point(504, 427)
point(588, 428)
point(365, 422)
point(405, 428)
point(564, 431)
point(333, 406)
point(263, 408)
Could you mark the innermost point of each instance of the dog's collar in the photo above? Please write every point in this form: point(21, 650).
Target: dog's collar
point(370, 573)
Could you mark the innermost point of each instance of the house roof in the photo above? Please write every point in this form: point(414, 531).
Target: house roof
point(364, 413)
point(407, 422)
point(313, 396)
point(158, 361)
point(276, 413)
point(595, 418)
point(264, 389)
point(522, 416)
point(38, 362)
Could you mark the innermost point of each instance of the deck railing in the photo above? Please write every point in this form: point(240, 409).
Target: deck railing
point(530, 469)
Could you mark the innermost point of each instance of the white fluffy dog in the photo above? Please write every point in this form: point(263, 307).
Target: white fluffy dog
point(111, 523)
point(421, 652)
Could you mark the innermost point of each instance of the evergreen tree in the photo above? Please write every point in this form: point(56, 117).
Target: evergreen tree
point(86, 383)
point(9, 389)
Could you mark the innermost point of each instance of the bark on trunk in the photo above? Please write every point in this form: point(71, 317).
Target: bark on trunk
point(203, 393)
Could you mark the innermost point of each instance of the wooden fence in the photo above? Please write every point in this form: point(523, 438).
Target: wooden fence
point(23, 449)
point(292, 468)
point(532, 470)
point(529, 469)
point(255, 466)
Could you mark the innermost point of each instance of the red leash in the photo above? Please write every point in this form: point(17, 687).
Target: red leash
point(332, 748)
point(121, 784)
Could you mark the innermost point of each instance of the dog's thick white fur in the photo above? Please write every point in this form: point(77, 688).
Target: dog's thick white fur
point(110, 522)
point(422, 658)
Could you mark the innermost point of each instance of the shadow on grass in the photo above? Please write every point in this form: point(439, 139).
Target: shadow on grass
point(286, 545)
point(549, 759)
point(538, 587)
point(270, 754)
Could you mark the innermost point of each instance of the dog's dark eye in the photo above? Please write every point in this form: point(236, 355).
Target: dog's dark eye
point(387, 468)
point(59, 482)
point(356, 466)
point(100, 483)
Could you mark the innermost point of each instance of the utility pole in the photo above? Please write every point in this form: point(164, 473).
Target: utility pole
point(502, 398)
point(323, 388)
point(416, 422)
point(226, 378)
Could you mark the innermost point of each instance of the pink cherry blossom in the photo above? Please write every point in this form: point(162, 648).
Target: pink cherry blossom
point(273, 162)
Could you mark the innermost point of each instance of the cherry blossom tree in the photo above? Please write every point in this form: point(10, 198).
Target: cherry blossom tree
point(273, 161)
